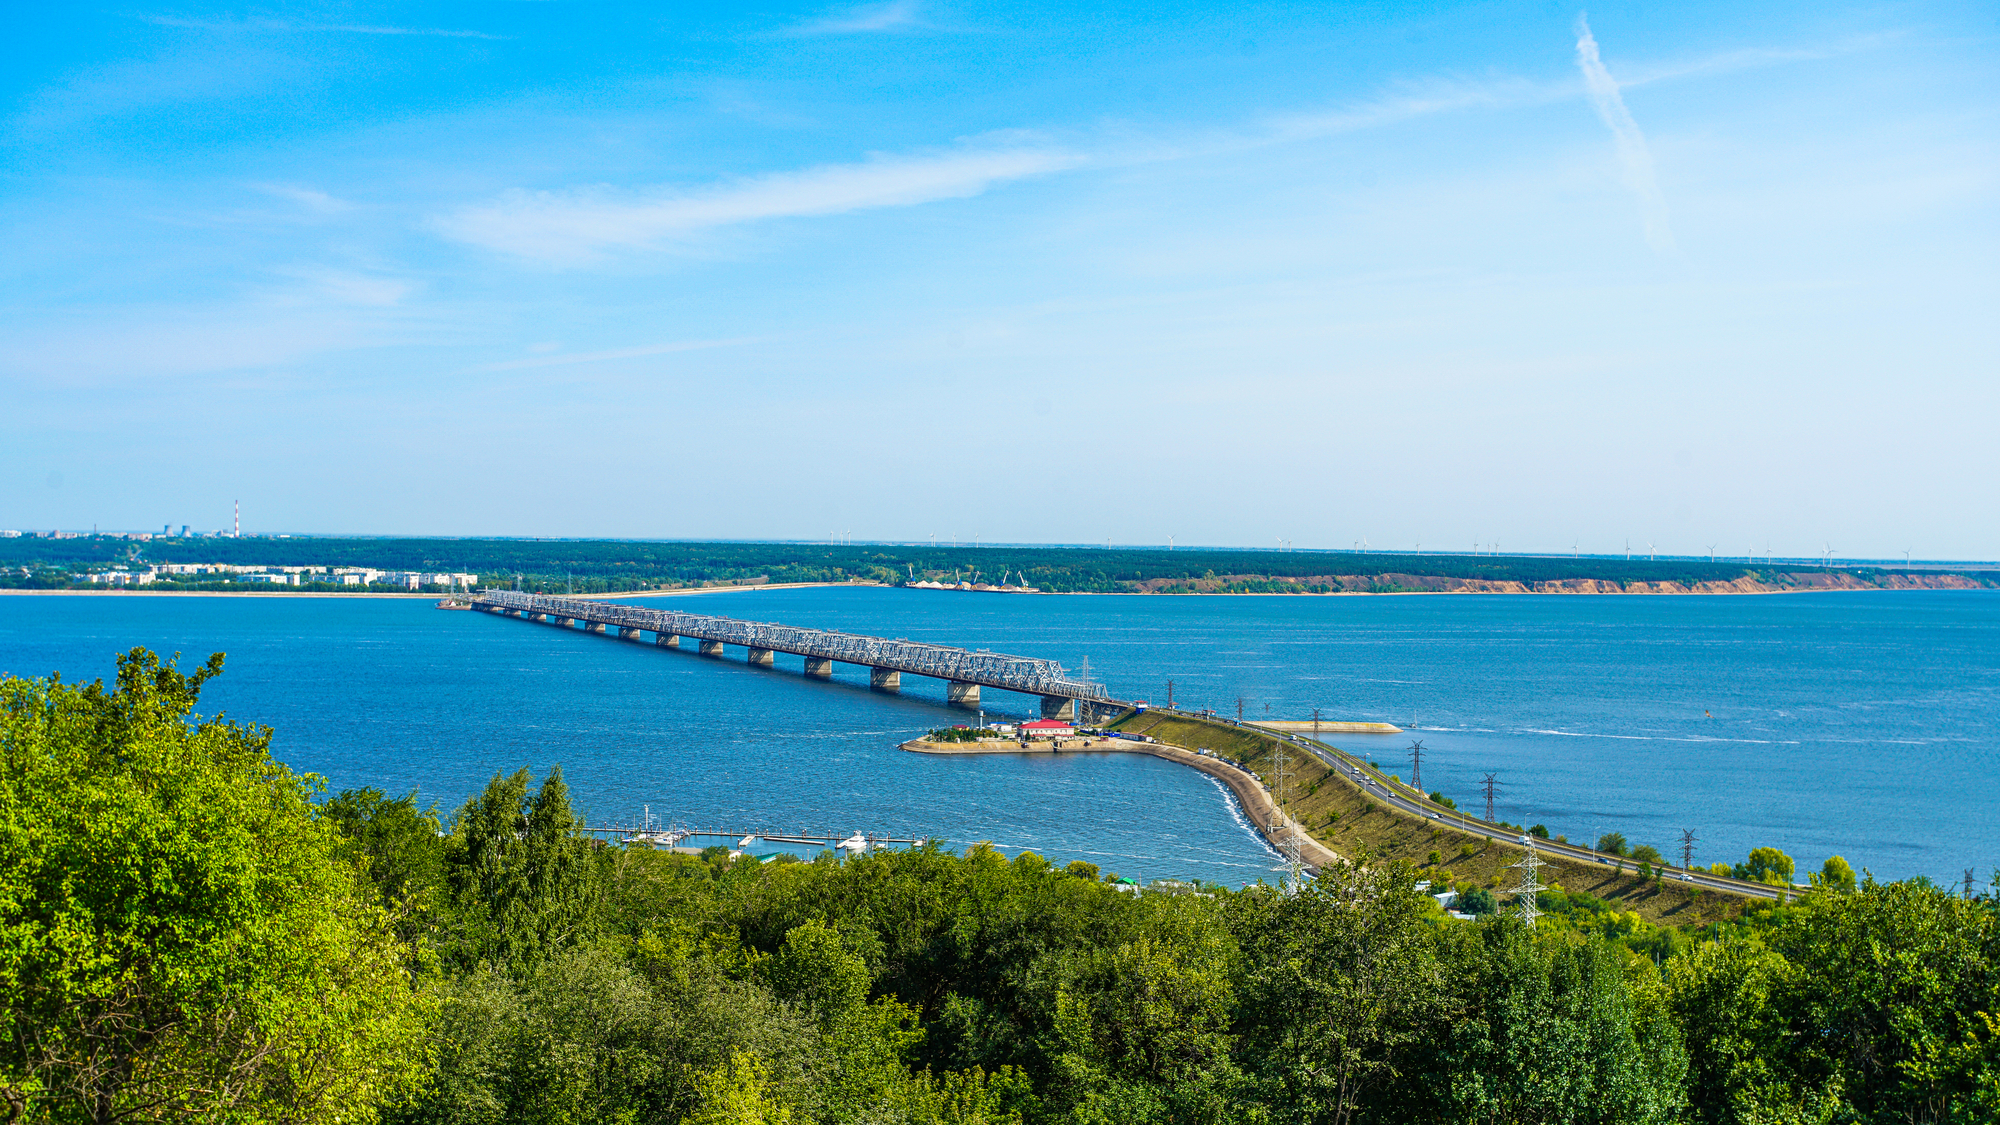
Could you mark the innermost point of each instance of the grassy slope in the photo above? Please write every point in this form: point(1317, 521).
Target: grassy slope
point(1340, 815)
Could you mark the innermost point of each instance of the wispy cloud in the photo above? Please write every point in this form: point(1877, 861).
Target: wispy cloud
point(262, 24)
point(896, 15)
point(580, 225)
point(584, 224)
point(615, 353)
point(1634, 158)
point(314, 202)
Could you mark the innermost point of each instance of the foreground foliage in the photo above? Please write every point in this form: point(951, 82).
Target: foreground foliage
point(183, 935)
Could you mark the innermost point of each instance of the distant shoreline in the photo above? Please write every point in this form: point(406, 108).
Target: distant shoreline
point(124, 592)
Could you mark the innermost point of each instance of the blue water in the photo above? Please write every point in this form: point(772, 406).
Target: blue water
point(1855, 724)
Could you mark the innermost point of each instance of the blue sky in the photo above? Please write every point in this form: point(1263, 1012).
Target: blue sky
point(1685, 275)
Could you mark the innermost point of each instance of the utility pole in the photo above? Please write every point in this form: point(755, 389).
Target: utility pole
point(1281, 827)
point(1687, 848)
point(1491, 785)
point(1417, 765)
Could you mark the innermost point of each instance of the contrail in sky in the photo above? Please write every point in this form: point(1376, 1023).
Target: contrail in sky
point(1633, 155)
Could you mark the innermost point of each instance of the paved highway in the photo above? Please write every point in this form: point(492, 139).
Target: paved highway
point(1375, 784)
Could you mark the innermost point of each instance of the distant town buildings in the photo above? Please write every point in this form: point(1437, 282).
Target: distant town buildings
point(284, 576)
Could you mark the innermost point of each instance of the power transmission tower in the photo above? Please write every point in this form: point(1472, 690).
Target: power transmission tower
point(1524, 893)
point(1239, 710)
point(1490, 786)
point(1417, 765)
point(1170, 695)
point(1687, 848)
point(1968, 884)
point(1315, 724)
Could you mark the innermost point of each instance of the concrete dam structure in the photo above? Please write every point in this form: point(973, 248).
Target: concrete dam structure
point(964, 671)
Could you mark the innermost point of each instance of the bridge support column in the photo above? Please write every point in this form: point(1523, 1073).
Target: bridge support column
point(595, 627)
point(565, 622)
point(961, 694)
point(1059, 707)
point(628, 633)
point(885, 679)
point(711, 648)
point(819, 667)
point(761, 656)
point(666, 640)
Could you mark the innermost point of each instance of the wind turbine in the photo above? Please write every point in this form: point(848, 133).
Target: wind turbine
point(1628, 548)
point(1711, 552)
point(1649, 551)
point(1574, 551)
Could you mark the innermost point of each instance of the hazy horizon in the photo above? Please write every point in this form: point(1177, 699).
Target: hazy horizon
point(1511, 274)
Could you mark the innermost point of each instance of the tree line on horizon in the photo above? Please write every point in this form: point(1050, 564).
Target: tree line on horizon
point(612, 565)
point(191, 932)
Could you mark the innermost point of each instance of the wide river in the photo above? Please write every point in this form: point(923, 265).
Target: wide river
point(1859, 724)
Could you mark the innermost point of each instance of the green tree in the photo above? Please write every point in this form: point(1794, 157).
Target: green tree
point(1552, 1028)
point(1835, 875)
point(1766, 865)
point(1478, 900)
point(520, 877)
point(403, 849)
point(1342, 979)
point(181, 936)
point(1875, 1006)
point(1611, 843)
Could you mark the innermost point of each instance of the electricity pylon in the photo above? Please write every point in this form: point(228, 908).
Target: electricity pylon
point(1524, 894)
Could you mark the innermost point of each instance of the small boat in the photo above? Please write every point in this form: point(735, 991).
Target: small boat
point(855, 844)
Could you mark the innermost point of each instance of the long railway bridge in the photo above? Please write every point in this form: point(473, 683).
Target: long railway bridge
point(964, 671)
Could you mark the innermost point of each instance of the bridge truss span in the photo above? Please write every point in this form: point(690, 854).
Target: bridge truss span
point(1027, 675)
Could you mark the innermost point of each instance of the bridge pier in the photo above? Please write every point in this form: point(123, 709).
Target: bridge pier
point(819, 667)
point(628, 633)
point(885, 679)
point(565, 622)
point(666, 640)
point(594, 627)
point(762, 656)
point(1059, 707)
point(961, 694)
point(711, 648)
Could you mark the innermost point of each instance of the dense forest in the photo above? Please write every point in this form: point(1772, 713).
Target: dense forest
point(608, 565)
point(191, 932)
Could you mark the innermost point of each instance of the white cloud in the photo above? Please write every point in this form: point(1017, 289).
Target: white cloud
point(614, 353)
point(340, 287)
point(579, 225)
point(892, 16)
point(1634, 158)
point(313, 202)
point(259, 24)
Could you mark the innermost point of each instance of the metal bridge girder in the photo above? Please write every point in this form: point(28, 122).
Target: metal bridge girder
point(991, 669)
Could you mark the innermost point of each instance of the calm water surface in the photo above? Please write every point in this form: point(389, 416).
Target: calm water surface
point(1858, 724)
